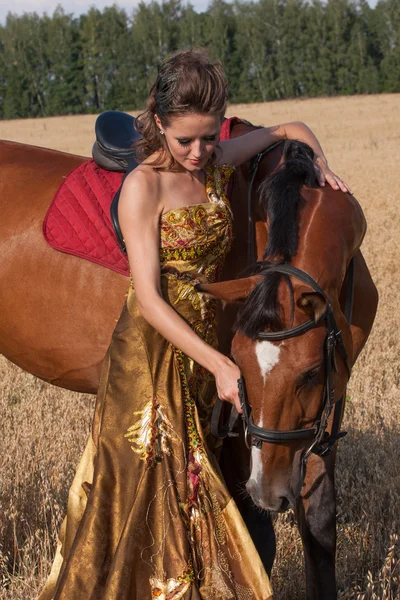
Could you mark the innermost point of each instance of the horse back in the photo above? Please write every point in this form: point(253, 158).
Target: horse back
point(48, 325)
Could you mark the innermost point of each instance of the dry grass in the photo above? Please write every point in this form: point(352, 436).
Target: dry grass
point(44, 429)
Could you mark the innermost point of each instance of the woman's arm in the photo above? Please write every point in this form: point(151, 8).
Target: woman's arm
point(139, 214)
point(239, 150)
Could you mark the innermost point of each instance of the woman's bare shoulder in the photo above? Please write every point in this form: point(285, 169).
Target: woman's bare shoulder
point(144, 177)
point(141, 191)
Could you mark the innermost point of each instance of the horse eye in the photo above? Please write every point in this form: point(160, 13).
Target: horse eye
point(310, 378)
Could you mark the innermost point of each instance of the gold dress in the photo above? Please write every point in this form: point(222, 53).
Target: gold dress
point(149, 515)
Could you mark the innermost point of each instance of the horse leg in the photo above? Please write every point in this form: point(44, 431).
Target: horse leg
point(234, 463)
point(316, 517)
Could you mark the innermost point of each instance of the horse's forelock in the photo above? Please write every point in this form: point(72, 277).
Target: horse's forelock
point(262, 310)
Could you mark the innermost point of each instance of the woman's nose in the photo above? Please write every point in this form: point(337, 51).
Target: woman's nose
point(197, 149)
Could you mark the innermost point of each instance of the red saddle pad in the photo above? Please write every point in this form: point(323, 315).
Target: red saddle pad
point(78, 220)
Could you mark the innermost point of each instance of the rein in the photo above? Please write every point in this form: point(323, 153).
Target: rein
point(322, 442)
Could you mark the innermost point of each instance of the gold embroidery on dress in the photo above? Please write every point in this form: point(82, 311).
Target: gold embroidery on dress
point(243, 592)
point(217, 176)
point(194, 440)
point(187, 291)
point(217, 587)
point(152, 434)
point(172, 589)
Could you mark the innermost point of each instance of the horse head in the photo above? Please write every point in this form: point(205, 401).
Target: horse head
point(285, 379)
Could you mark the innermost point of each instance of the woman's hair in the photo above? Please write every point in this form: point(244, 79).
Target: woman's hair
point(188, 82)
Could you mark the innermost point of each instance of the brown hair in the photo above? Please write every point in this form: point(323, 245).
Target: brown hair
point(188, 81)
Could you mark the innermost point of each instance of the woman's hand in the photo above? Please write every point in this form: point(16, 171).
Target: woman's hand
point(226, 379)
point(324, 174)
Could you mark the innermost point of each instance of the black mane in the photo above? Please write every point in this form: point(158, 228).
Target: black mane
point(280, 198)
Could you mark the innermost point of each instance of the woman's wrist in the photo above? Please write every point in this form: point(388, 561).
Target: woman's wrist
point(218, 362)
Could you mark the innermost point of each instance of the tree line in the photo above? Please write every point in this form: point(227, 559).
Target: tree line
point(270, 49)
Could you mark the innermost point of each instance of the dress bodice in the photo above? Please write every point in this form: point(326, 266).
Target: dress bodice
point(196, 238)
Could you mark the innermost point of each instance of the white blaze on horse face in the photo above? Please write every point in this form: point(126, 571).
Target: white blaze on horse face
point(254, 485)
point(267, 357)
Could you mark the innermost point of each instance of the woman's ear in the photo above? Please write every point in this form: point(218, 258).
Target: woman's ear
point(158, 122)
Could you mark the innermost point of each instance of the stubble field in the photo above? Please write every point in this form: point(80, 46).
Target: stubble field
point(43, 429)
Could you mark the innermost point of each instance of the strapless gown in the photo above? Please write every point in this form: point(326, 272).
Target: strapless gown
point(149, 515)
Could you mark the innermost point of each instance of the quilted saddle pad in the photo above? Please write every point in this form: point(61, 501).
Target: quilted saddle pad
point(78, 220)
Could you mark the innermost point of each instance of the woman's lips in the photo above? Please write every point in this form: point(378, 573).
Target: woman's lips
point(195, 161)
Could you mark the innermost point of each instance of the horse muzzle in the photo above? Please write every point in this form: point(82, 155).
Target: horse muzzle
point(277, 501)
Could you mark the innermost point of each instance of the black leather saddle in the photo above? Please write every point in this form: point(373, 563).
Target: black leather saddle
point(112, 150)
point(115, 136)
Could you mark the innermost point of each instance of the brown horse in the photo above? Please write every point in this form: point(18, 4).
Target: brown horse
point(292, 381)
point(57, 313)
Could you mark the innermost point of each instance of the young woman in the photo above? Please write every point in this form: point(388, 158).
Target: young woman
point(149, 515)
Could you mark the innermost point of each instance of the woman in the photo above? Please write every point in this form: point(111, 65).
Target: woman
point(158, 522)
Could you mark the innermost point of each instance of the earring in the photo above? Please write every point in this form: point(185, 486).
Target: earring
point(161, 132)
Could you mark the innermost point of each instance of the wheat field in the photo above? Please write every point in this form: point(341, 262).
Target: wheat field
point(43, 428)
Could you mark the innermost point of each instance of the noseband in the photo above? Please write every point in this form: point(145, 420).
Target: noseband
point(322, 442)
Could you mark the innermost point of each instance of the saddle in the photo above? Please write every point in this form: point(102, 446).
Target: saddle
point(115, 135)
point(82, 219)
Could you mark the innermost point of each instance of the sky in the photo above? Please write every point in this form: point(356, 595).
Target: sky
point(78, 7)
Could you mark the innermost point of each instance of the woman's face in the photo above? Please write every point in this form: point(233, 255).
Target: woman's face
point(192, 138)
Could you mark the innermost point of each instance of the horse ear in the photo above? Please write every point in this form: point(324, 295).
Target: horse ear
point(313, 304)
point(234, 290)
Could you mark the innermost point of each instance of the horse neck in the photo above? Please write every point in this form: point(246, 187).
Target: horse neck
point(331, 229)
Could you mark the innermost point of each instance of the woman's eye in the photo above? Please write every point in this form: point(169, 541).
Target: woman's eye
point(211, 138)
point(183, 142)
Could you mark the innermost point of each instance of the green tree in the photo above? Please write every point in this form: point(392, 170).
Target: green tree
point(218, 33)
point(387, 23)
point(191, 27)
point(91, 26)
point(64, 82)
point(155, 33)
point(24, 67)
point(363, 52)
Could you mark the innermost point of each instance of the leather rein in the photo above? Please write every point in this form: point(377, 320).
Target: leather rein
point(322, 442)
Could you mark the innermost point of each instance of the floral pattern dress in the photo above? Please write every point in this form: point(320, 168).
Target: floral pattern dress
point(149, 515)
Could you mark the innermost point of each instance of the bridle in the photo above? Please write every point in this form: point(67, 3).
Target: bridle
point(322, 442)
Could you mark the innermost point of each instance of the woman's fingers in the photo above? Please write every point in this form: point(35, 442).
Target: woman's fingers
point(332, 180)
point(338, 184)
point(237, 405)
point(320, 175)
point(326, 175)
point(233, 398)
point(227, 385)
point(344, 187)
